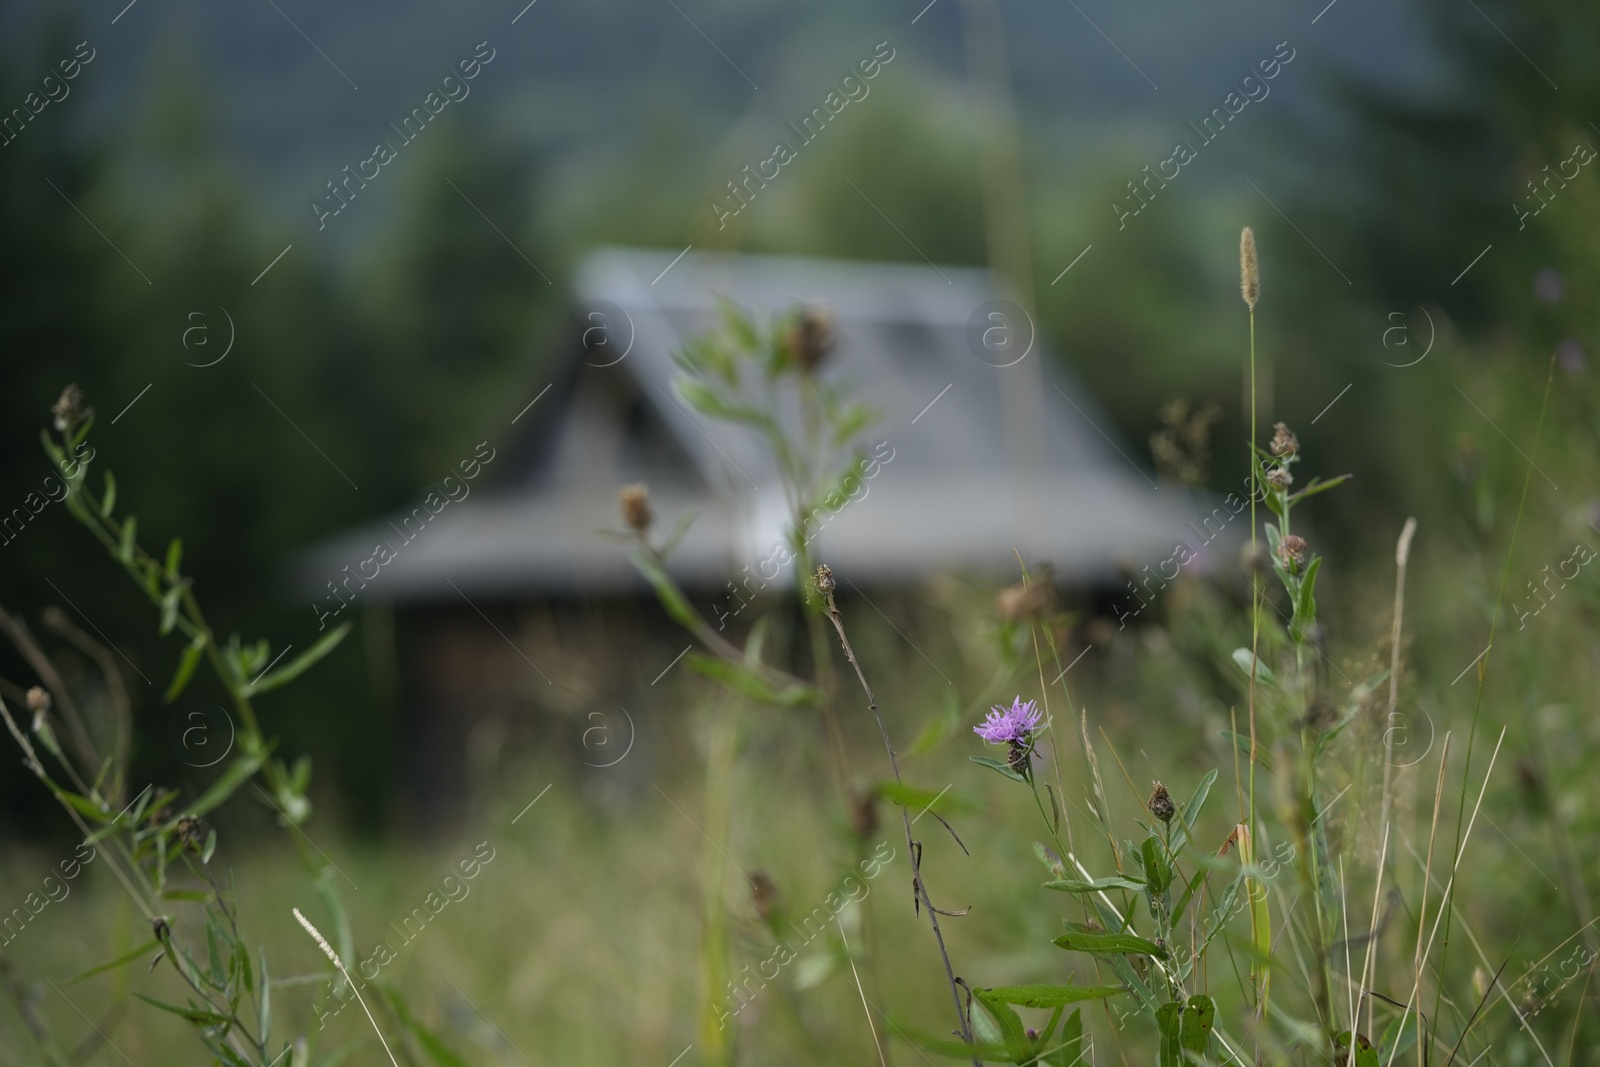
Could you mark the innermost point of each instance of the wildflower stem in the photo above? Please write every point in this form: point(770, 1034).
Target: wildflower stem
point(832, 612)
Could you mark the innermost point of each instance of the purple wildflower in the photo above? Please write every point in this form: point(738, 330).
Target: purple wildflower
point(1015, 723)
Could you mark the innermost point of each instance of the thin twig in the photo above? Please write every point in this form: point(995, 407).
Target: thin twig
point(825, 585)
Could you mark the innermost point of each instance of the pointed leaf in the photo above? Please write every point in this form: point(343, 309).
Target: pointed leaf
point(203, 1016)
point(1112, 944)
point(1047, 996)
point(1191, 811)
point(300, 664)
point(1199, 1016)
point(1242, 657)
point(186, 668)
point(1074, 885)
point(995, 765)
point(238, 772)
point(120, 961)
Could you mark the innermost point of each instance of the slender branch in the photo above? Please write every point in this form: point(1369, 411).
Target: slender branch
point(825, 585)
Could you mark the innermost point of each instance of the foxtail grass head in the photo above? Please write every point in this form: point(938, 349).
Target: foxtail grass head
point(1249, 268)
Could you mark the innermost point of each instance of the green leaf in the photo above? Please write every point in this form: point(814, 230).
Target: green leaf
point(705, 400)
point(1051, 861)
point(217, 974)
point(1366, 1055)
point(672, 599)
point(1074, 885)
point(1194, 1038)
point(1069, 1050)
point(203, 1016)
point(174, 557)
point(120, 961)
point(754, 643)
point(738, 324)
point(130, 531)
point(1156, 870)
point(1191, 811)
point(1047, 996)
point(238, 772)
point(1305, 604)
point(1315, 486)
point(1110, 944)
point(996, 765)
point(186, 668)
point(84, 806)
point(170, 602)
point(742, 679)
point(300, 664)
point(210, 847)
point(1243, 658)
point(1169, 1020)
point(942, 1045)
point(264, 1005)
point(995, 1023)
point(109, 499)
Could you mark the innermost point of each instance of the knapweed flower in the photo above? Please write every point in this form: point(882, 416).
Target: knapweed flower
point(1015, 723)
point(1284, 442)
point(1292, 551)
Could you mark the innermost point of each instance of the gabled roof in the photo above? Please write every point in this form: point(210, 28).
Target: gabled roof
point(975, 460)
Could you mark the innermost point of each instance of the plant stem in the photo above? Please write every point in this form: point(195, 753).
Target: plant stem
point(832, 612)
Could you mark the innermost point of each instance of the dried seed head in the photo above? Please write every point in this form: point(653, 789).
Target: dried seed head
point(189, 830)
point(1249, 268)
point(1284, 442)
point(321, 941)
point(864, 815)
point(1161, 805)
point(1252, 557)
point(635, 502)
point(823, 580)
point(811, 338)
point(1279, 478)
point(38, 700)
point(764, 895)
point(69, 410)
point(1292, 551)
point(1023, 601)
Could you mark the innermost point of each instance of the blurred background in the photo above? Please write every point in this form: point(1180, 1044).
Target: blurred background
point(1427, 259)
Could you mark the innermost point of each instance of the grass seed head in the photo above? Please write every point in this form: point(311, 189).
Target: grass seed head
point(1249, 268)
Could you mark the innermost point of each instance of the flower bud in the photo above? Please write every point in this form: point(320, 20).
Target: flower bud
point(1160, 804)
